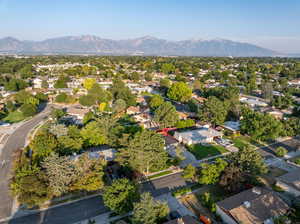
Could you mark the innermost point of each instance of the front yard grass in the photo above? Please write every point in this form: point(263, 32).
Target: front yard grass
point(14, 117)
point(295, 160)
point(160, 174)
point(205, 151)
point(240, 141)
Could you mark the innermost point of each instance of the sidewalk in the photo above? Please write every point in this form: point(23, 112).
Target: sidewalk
point(172, 202)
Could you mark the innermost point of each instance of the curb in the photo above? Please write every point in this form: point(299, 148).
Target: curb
point(31, 212)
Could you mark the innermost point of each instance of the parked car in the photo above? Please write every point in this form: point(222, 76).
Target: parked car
point(4, 124)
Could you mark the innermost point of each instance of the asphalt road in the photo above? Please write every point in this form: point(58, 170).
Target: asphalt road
point(91, 207)
point(65, 214)
point(14, 143)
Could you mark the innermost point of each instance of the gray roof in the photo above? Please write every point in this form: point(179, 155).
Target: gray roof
point(291, 178)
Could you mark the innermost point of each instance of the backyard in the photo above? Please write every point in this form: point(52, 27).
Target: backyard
point(205, 151)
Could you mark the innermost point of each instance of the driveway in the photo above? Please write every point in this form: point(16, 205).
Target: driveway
point(174, 204)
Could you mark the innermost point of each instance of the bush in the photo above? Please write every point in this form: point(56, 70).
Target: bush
point(277, 188)
point(281, 152)
point(181, 191)
point(297, 161)
point(64, 98)
point(208, 202)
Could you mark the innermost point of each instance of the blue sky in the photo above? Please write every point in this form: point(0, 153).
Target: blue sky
point(270, 23)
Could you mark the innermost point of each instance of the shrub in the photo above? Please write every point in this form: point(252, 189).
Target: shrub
point(297, 161)
point(281, 152)
point(208, 201)
point(28, 110)
point(181, 191)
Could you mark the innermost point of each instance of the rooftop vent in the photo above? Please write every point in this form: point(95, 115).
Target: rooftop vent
point(247, 204)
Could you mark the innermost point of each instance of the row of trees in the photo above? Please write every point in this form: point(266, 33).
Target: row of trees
point(34, 184)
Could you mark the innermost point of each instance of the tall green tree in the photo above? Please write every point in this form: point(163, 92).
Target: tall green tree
point(166, 115)
point(145, 152)
point(210, 173)
point(60, 172)
point(249, 161)
point(180, 91)
point(43, 144)
point(120, 195)
point(94, 134)
point(120, 91)
point(214, 110)
point(260, 126)
point(149, 211)
point(155, 101)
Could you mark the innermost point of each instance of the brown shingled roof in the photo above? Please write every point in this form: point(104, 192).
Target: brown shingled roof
point(254, 206)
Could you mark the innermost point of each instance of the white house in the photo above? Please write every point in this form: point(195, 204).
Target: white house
point(37, 83)
point(202, 135)
point(104, 152)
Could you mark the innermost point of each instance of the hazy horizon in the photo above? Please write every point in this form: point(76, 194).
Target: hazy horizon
point(268, 24)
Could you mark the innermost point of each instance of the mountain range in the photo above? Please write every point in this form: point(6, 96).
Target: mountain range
point(148, 45)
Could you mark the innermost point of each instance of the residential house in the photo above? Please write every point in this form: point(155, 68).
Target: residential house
point(37, 83)
point(77, 111)
point(51, 82)
point(253, 101)
point(105, 84)
point(75, 83)
point(133, 110)
point(182, 115)
point(290, 182)
point(295, 82)
point(253, 206)
point(104, 152)
point(197, 136)
point(187, 219)
point(233, 126)
point(275, 113)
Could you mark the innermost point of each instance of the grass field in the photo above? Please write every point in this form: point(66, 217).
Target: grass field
point(203, 151)
point(14, 117)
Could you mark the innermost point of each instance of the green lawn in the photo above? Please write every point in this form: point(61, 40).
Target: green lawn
point(241, 141)
point(203, 151)
point(14, 117)
point(160, 174)
point(296, 160)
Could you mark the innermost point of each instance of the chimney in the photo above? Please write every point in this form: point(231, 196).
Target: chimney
point(180, 221)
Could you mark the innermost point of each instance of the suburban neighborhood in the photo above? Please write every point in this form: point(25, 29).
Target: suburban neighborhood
point(106, 139)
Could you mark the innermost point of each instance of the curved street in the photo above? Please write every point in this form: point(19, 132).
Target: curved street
point(15, 141)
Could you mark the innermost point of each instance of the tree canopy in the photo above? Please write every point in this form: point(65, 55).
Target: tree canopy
point(145, 152)
point(180, 91)
point(120, 195)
